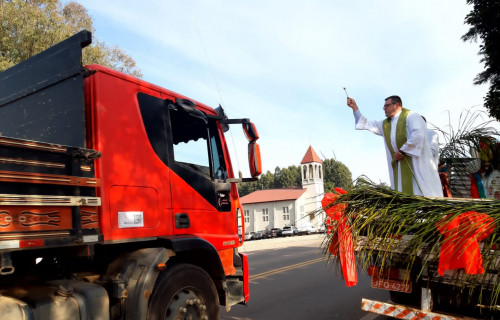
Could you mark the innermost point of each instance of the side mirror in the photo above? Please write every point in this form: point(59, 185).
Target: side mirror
point(222, 186)
point(254, 159)
point(250, 131)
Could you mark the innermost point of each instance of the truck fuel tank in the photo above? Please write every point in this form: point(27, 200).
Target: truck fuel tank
point(60, 299)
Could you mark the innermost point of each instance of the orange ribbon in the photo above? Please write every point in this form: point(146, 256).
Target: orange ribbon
point(341, 243)
point(460, 248)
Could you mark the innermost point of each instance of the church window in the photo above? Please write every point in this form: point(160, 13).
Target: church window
point(247, 215)
point(286, 216)
point(311, 171)
point(265, 214)
point(305, 172)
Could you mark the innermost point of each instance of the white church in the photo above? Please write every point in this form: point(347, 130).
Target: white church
point(297, 206)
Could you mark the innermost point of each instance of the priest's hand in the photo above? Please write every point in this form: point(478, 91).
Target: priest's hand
point(398, 156)
point(352, 104)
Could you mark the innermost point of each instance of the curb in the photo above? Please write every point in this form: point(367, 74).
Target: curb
point(313, 240)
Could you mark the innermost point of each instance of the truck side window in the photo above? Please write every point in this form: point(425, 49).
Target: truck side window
point(194, 154)
point(154, 115)
point(219, 164)
point(197, 154)
point(190, 135)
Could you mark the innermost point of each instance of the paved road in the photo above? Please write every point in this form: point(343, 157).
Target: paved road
point(290, 279)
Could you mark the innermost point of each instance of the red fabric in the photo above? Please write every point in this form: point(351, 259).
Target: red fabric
point(341, 243)
point(460, 248)
point(445, 184)
point(474, 193)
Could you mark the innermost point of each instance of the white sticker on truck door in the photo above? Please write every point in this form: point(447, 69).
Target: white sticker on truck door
point(130, 219)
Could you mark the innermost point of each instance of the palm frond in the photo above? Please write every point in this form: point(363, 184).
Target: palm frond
point(394, 228)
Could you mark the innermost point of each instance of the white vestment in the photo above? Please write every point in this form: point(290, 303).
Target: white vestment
point(433, 138)
point(426, 180)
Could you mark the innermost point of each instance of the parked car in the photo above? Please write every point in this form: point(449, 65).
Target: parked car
point(322, 228)
point(268, 234)
point(307, 229)
point(276, 232)
point(260, 234)
point(289, 231)
point(250, 235)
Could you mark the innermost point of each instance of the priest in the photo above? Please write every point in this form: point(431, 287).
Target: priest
point(409, 157)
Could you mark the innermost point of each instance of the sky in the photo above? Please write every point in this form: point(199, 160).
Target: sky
point(284, 64)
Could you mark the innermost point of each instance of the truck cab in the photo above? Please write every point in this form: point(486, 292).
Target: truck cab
point(116, 190)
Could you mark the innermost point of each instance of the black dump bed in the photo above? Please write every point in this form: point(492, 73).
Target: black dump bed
point(42, 98)
point(48, 189)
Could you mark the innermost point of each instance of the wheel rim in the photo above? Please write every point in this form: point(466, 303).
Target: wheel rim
point(187, 304)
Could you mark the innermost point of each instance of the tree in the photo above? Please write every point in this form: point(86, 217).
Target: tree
point(484, 20)
point(336, 174)
point(245, 188)
point(266, 181)
point(296, 176)
point(284, 178)
point(28, 27)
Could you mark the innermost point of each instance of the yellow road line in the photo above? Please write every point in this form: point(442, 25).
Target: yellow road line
point(280, 270)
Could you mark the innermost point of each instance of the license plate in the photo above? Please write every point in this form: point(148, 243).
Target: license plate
point(389, 284)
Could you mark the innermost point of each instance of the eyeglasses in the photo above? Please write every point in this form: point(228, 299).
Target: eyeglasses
point(387, 105)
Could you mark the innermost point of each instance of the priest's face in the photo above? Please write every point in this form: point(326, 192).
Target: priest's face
point(391, 108)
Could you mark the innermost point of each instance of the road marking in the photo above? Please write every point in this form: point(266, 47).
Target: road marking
point(371, 316)
point(280, 270)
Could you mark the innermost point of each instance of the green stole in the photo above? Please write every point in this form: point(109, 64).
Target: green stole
point(406, 172)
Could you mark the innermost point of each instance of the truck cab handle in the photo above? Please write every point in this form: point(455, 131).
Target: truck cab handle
point(182, 221)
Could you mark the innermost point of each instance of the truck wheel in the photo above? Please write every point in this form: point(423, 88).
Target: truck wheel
point(184, 292)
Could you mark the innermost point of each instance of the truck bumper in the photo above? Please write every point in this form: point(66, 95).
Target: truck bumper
point(403, 312)
point(244, 260)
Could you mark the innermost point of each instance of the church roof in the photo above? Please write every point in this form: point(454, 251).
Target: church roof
point(311, 156)
point(272, 195)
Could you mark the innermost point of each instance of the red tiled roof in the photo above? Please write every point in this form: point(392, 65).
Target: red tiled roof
point(310, 156)
point(272, 195)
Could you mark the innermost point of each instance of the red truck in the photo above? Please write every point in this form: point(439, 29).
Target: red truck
point(118, 199)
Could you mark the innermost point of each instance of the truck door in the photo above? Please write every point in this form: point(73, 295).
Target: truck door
point(201, 201)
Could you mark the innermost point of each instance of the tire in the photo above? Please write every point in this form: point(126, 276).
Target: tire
point(184, 292)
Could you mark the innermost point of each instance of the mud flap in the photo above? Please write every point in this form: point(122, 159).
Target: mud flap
point(134, 276)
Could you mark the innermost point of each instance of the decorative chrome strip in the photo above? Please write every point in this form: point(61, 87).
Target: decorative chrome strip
point(34, 178)
point(27, 235)
point(47, 178)
point(33, 145)
point(9, 244)
point(37, 200)
point(91, 238)
point(86, 168)
point(33, 163)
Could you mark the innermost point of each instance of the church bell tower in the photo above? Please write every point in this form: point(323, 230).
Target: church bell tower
point(311, 168)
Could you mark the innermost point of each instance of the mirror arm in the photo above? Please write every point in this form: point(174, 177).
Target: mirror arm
point(235, 121)
point(222, 186)
point(238, 180)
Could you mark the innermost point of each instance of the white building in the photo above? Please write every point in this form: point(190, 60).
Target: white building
point(275, 208)
point(298, 206)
